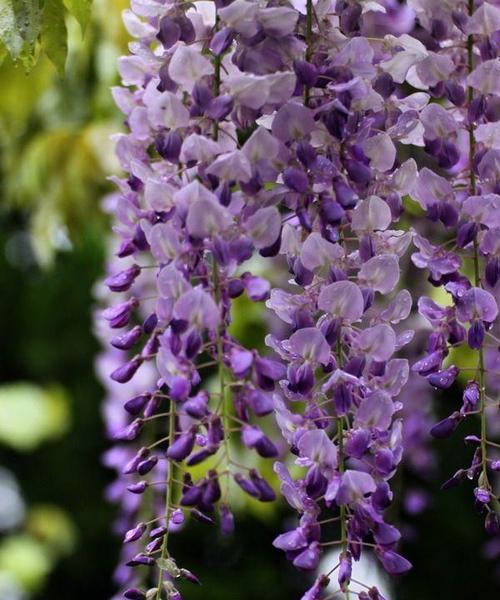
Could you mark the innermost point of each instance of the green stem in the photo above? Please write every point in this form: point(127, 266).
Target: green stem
point(340, 441)
point(217, 80)
point(222, 382)
point(477, 273)
point(168, 499)
point(309, 30)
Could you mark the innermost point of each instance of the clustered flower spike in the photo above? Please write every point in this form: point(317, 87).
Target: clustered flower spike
point(460, 192)
point(282, 130)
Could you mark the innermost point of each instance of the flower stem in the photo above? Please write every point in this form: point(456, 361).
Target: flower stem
point(340, 441)
point(222, 381)
point(217, 78)
point(477, 274)
point(309, 25)
point(168, 498)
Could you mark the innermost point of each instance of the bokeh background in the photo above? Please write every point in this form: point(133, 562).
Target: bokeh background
point(55, 525)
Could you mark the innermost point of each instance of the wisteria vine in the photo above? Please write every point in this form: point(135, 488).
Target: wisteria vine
point(296, 132)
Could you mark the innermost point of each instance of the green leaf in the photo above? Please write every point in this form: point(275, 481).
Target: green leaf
point(54, 34)
point(80, 9)
point(19, 29)
point(31, 415)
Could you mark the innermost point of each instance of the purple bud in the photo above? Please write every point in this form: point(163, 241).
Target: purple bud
point(308, 559)
point(197, 406)
point(147, 465)
point(179, 389)
point(358, 171)
point(306, 72)
point(482, 495)
point(266, 492)
point(446, 427)
point(268, 371)
point(202, 94)
point(296, 180)
point(476, 109)
point(193, 344)
point(168, 145)
point(158, 532)
point(221, 41)
point(127, 340)
point(127, 371)
point(384, 85)
point(191, 495)
point(246, 485)
point(345, 195)
point(134, 534)
point(119, 315)
point(154, 546)
point(492, 271)
point(357, 443)
point(120, 282)
point(475, 335)
point(316, 482)
point(471, 395)
point(260, 403)
point(141, 560)
point(455, 93)
point(300, 379)
point(150, 323)
point(235, 288)
point(138, 488)
point(350, 18)
point(342, 397)
point(188, 33)
point(130, 432)
point(136, 404)
point(495, 465)
point(182, 446)
point(394, 563)
point(445, 378)
point(448, 214)
point(219, 107)
point(345, 570)
point(169, 33)
point(306, 154)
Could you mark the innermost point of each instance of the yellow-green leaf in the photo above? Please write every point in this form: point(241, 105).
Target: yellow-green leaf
point(80, 9)
point(19, 29)
point(54, 34)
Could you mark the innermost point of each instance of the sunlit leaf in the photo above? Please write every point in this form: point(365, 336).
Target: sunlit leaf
point(80, 9)
point(53, 526)
point(26, 559)
point(20, 22)
point(54, 34)
point(31, 415)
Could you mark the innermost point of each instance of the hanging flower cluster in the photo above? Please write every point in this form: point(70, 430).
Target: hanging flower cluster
point(283, 129)
point(460, 194)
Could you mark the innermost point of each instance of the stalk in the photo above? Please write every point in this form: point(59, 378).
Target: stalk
point(340, 438)
point(477, 274)
point(168, 500)
point(309, 24)
point(222, 383)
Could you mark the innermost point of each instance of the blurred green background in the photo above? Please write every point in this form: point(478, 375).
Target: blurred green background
point(55, 539)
